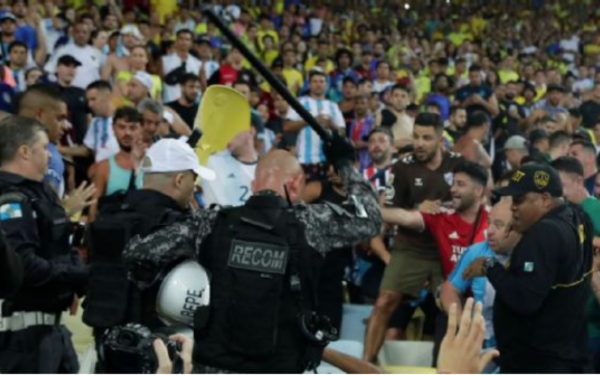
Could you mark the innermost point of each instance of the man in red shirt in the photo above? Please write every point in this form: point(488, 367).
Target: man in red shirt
point(454, 230)
point(232, 71)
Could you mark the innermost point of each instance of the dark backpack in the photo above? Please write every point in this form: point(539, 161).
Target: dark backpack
point(112, 297)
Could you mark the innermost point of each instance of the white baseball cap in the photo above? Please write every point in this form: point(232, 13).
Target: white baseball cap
point(133, 30)
point(145, 79)
point(174, 155)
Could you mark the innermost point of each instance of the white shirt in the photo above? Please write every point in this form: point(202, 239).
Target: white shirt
point(51, 34)
point(233, 187)
point(309, 146)
point(190, 25)
point(91, 62)
point(100, 138)
point(172, 62)
point(381, 86)
point(209, 68)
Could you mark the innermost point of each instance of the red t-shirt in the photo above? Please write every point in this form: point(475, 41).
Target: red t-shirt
point(228, 75)
point(452, 235)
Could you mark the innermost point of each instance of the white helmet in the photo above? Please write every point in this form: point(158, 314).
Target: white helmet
point(183, 290)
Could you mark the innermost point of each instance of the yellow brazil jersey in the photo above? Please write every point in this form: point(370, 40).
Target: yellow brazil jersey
point(164, 7)
point(310, 63)
point(507, 75)
point(294, 79)
point(422, 86)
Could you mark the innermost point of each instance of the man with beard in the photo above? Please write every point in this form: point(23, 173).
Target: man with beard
point(540, 298)
point(425, 174)
point(452, 229)
point(394, 116)
point(458, 120)
point(470, 146)
point(380, 145)
point(476, 95)
point(186, 105)
point(119, 172)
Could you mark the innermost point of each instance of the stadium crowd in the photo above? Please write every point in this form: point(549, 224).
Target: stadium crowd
point(443, 101)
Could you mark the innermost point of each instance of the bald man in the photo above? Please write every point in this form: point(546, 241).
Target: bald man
point(264, 259)
point(501, 240)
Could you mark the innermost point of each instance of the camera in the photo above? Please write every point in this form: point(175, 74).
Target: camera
point(129, 349)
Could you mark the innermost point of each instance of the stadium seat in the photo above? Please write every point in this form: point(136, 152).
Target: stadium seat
point(406, 353)
point(354, 322)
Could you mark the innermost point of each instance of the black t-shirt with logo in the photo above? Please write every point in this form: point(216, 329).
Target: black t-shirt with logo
point(415, 183)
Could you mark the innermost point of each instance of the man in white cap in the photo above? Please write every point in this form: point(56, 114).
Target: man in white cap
point(90, 58)
point(130, 37)
point(139, 87)
point(515, 149)
point(171, 169)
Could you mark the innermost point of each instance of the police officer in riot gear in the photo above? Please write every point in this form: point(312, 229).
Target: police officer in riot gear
point(263, 259)
point(32, 338)
point(170, 170)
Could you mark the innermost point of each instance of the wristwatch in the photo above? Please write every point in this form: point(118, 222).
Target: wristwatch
point(487, 264)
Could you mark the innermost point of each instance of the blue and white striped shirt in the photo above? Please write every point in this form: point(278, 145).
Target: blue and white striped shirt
point(309, 147)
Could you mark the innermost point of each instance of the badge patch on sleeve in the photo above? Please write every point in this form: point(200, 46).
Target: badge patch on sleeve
point(259, 257)
point(528, 267)
point(10, 211)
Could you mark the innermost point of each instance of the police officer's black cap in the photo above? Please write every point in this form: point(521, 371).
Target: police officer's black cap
point(533, 178)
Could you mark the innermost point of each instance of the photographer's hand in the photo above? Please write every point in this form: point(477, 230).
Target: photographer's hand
point(164, 362)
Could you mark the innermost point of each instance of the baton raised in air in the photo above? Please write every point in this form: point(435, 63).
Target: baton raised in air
point(266, 73)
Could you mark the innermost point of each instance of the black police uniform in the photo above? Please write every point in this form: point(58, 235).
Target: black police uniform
point(540, 299)
point(264, 258)
point(11, 269)
point(36, 226)
point(112, 299)
point(330, 292)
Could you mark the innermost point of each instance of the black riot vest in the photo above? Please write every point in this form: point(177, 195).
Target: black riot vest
point(263, 276)
point(54, 229)
point(112, 299)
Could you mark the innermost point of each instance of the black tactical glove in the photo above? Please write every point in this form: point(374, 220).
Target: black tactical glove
point(339, 151)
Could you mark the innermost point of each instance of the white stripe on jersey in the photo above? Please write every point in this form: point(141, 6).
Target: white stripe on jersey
point(309, 147)
point(233, 184)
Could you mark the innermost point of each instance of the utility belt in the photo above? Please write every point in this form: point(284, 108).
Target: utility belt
point(21, 320)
